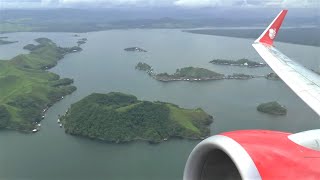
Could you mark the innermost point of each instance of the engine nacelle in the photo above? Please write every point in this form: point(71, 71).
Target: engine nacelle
point(256, 154)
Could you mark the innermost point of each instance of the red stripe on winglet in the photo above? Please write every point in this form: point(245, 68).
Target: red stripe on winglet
point(273, 30)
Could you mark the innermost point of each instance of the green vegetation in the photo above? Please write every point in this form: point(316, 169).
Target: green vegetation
point(272, 108)
point(194, 72)
point(240, 62)
point(118, 117)
point(135, 49)
point(15, 27)
point(240, 76)
point(4, 116)
point(190, 74)
point(143, 67)
point(61, 82)
point(27, 90)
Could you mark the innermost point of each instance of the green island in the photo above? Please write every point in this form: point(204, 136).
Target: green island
point(2, 42)
point(144, 67)
point(27, 89)
point(273, 108)
point(135, 49)
point(190, 74)
point(117, 117)
point(241, 62)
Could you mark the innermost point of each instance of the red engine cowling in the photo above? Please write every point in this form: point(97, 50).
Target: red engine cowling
point(256, 154)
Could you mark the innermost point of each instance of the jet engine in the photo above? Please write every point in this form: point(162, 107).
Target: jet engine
point(256, 154)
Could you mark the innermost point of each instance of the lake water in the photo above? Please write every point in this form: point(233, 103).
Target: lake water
point(103, 67)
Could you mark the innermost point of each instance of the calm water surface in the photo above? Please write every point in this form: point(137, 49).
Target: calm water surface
point(103, 67)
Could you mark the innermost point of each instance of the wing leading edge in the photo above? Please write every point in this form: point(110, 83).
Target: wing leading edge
point(304, 82)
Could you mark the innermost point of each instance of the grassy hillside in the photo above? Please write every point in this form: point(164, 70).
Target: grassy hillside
point(118, 117)
point(27, 89)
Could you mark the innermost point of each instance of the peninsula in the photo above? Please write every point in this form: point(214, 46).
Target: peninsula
point(119, 118)
point(27, 89)
point(241, 62)
point(135, 49)
point(273, 108)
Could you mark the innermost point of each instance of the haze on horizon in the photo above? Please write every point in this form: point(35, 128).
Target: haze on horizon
point(84, 4)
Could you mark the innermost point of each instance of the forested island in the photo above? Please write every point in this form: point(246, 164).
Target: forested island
point(27, 89)
point(190, 74)
point(2, 42)
point(135, 49)
point(119, 118)
point(144, 67)
point(273, 108)
point(241, 62)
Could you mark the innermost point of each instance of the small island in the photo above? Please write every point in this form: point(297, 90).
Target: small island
point(241, 62)
point(273, 108)
point(190, 74)
point(272, 76)
point(27, 89)
point(193, 74)
point(120, 118)
point(134, 49)
point(240, 76)
point(144, 67)
point(3, 42)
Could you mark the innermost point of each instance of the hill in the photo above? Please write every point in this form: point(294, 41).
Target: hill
point(27, 89)
point(272, 108)
point(118, 117)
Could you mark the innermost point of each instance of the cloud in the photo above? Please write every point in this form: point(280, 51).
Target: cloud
point(301, 3)
point(176, 3)
point(207, 3)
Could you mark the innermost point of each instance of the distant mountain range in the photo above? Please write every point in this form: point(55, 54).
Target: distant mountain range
point(84, 20)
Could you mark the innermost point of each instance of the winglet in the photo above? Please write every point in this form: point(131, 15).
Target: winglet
point(272, 30)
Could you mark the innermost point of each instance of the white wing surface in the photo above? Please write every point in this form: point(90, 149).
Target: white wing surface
point(304, 82)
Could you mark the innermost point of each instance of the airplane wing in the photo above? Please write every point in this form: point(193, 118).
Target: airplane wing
point(304, 82)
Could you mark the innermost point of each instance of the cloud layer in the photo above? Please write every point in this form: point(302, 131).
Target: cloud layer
point(157, 3)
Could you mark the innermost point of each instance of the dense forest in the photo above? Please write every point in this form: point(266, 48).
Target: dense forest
point(272, 108)
point(190, 73)
point(239, 62)
point(118, 117)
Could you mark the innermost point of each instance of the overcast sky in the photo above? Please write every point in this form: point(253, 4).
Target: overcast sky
point(156, 3)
